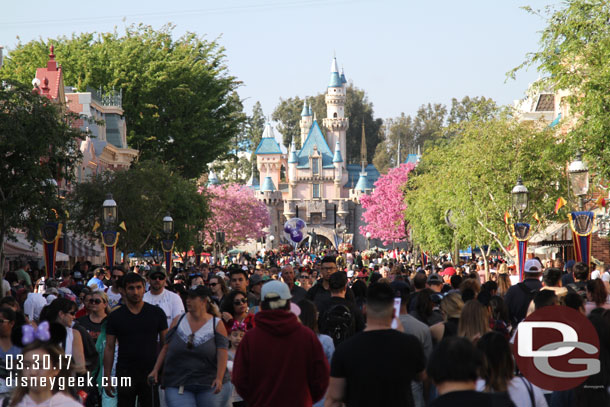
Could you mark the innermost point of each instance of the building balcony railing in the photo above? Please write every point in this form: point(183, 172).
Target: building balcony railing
point(112, 97)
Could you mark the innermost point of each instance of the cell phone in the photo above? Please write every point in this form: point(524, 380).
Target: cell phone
point(397, 302)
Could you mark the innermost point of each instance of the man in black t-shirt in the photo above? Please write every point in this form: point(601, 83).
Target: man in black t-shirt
point(339, 318)
point(137, 326)
point(376, 367)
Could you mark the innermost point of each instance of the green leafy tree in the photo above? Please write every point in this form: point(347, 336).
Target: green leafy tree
point(37, 146)
point(574, 55)
point(477, 191)
point(144, 194)
point(428, 123)
point(400, 129)
point(178, 96)
point(288, 115)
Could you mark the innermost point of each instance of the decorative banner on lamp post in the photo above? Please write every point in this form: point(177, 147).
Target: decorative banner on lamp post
point(582, 226)
point(521, 234)
point(51, 232)
point(109, 240)
point(168, 248)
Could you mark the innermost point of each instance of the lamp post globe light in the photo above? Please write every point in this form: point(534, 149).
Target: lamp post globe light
point(109, 208)
point(271, 239)
point(168, 224)
point(368, 240)
point(520, 196)
point(578, 174)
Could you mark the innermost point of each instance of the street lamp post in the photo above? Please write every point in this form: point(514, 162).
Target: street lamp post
point(368, 240)
point(578, 174)
point(167, 244)
point(581, 222)
point(520, 230)
point(271, 239)
point(110, 236)
point(51, 232)
point(520, 198)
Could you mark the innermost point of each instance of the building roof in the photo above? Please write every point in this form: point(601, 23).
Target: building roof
point(267, 185)
point(305, 111)
point(353, 174)
point(363, 183)
point(556, 121)
point(337, 157)
point(412, 159)
point(315, 138)
point(268, 146)
point(292, 157)
point(343, 80)
point(51, 79)
point(335, 80)
point(213, 179)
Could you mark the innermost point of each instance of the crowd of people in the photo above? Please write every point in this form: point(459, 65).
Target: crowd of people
point(302, 329)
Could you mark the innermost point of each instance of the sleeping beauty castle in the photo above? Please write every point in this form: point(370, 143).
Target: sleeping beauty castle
point(315, 183)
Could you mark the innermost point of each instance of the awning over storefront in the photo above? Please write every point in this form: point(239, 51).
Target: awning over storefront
point(23, 248)
point(75, 246)
point(555, 234)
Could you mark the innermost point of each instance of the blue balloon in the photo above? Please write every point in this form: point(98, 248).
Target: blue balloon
point(300, 224)
point(287, 228)
point(297, 237)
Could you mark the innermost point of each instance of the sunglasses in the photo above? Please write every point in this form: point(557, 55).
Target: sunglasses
point(71, 313)
point(303, 276)
point(213, 284)
point(196, 275)
point(239, 302)
point(4, 320)
point(95, 301)
point(158, 277)
point(191, 339)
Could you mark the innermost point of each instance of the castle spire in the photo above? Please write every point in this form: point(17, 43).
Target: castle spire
point(305, 111)
point(363, 159)
point(335, 78)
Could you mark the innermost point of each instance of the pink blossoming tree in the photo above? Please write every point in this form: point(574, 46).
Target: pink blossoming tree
point(384, 209)
point(235, 211)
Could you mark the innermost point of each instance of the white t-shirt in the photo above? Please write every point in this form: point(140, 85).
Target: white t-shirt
point(113, 298)
point(58, 400)
point(518, 391)
point(33, 304)
point(169, 302)
point(514, 279)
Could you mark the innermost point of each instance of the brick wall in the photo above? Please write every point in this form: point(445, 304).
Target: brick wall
point(600, 248)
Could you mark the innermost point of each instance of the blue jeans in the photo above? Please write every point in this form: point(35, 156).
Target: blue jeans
point(205, 398)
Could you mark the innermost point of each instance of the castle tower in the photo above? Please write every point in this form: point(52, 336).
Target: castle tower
point(336, 123)
point(269, 158)
point(338, 164)
point(306, 121)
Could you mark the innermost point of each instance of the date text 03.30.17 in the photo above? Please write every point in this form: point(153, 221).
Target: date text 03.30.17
point(16, 362)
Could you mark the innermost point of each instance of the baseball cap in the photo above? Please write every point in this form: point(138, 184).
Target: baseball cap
point(77, 275)
point(532, 266)
point(255, 279)
point(435, 279)
point(449, 271)
point(156, 270)
point(200, 291)
point(274, 290)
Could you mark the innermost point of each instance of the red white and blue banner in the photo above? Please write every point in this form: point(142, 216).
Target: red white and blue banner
point(424, 259)
point(582, 227)
point(168, 248)
point(521, 235)
point(109, 240)
point(51, 232)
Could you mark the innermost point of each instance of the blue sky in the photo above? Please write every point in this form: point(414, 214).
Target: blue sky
point(404, 53)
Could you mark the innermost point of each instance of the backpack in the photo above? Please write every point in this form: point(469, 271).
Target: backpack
point(530, 297)
point(578, 288)
point(338, 323)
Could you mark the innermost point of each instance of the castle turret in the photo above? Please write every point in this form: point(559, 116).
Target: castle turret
point(306, 121)
point(338, 164)
point(212, 178)
point(335, 121)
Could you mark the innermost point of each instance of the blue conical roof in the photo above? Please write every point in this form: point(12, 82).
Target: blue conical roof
point(315, 138)
point(343, 80)
point(363, 184)
point(267, 185)
point(292, 157)
point(335, 80)
point(310, 111)
point(213, 179)
point(305, 111)
point(337, 157)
